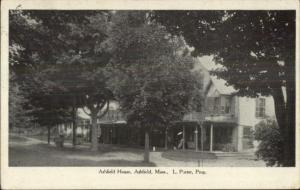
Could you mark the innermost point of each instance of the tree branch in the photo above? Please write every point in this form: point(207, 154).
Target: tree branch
point(106, 110)
point(102, 105)
point(89, 114)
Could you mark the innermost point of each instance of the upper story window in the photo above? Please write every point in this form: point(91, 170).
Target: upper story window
point(260, 107)
point(226, 105)
point(216, 103)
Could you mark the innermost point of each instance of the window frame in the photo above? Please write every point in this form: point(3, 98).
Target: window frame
point(260, 108)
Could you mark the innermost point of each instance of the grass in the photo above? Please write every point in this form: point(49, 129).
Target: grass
point(18, 139)
point(44, 137)
point(45, 155)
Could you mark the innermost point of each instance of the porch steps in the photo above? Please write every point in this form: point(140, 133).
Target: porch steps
point(249, 155)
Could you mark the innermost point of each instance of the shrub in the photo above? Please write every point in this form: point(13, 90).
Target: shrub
point(270, 147)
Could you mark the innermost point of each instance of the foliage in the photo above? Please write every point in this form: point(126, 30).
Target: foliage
point(72, 53)
point(270, 147)
point(257, 50)
point(152, 72)
point(153, 81)
point(66, 72)
point(18, 115)
point(253, 39)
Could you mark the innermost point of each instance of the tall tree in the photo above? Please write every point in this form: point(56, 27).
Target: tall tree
point(50, 110)
point(69, 63)
point(153, 80)
point(257, 49)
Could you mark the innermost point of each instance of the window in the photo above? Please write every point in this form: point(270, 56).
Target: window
point(260, 107)
point(222, 109)
point(226, 105)
point(247, 132)
point(216, 103)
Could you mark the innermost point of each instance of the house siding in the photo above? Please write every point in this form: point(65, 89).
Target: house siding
point(247, 117)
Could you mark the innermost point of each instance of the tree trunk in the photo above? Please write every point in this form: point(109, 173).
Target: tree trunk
point(74, 113)
point(49, 134)
point(147, 146)
point(90, 134)
point(285, 114)
point(289, 143)
point(281, 114)
point(280, 108)
point(94, 144)
point(166, 139)
point(289, 128)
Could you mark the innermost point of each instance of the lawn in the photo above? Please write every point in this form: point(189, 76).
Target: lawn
point(44, 155)
point(17, 139)
point(24, 151)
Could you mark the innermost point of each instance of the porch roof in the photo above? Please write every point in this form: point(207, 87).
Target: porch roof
point(220, 123)
point(220, 119)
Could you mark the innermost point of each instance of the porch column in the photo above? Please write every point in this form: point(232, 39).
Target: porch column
point(211, 137)
point(183, 137)
point(196, 138)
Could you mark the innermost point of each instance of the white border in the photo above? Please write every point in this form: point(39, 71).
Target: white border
point(88, 177)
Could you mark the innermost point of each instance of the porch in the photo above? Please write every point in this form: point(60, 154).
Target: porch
point(205, 136)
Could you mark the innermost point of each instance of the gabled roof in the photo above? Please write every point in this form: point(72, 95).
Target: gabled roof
point(221, 86)
point(207, 64)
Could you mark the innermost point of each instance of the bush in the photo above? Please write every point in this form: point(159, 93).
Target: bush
point(270, 147)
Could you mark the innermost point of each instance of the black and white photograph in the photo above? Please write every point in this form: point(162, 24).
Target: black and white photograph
point(151, 88)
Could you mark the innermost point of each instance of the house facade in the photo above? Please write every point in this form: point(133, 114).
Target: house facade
point(229, 120)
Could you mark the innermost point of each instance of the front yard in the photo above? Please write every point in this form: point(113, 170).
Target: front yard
point(25, 151)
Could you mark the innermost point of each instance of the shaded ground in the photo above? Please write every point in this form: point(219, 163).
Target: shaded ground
point(18, 139)
point(24, 151)
point(38, 153)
